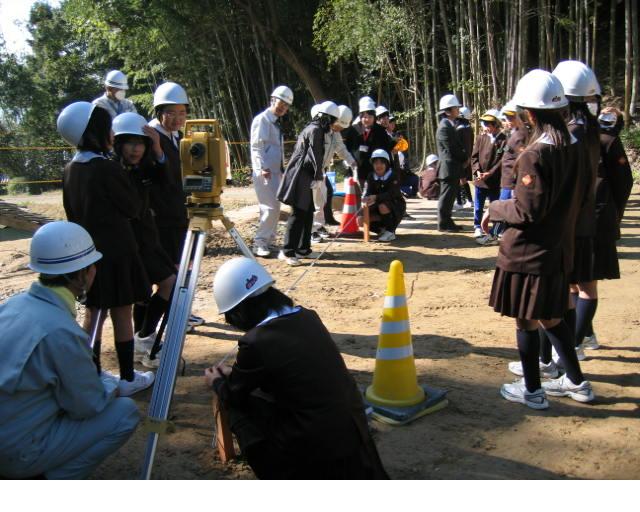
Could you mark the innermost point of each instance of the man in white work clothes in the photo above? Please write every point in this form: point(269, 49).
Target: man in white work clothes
point(267, 163)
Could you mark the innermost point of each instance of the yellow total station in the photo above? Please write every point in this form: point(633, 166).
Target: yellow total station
point(202, 155)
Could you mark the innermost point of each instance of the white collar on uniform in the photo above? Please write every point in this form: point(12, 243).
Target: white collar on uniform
point(286, 310)
point(154, 123)
point(545, 139)
point(82, 157)
point(384, 177)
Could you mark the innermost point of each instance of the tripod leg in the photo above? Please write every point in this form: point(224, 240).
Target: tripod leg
point(172, 351)
point(244, 249)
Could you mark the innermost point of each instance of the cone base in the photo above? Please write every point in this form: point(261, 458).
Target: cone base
point(435, 400)
point(417, 397)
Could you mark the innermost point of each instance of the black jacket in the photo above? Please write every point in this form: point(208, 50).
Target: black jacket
point(356, 139)
point(304, 166)
point(387, 192)
point(166, 195)
point(319, 412)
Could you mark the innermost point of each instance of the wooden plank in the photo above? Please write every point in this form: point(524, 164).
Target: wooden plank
point(224, 438)
point(365, 222)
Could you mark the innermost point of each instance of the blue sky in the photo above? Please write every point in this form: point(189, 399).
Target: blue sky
point(14, 15)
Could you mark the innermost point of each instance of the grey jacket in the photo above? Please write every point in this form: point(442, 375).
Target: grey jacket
point(46, 370)
point(451, 152)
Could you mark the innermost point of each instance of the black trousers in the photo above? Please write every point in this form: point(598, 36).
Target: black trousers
point(298, 235)
point(328, 206)
point(448, 192)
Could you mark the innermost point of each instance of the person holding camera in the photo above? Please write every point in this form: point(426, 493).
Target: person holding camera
point(60, 420)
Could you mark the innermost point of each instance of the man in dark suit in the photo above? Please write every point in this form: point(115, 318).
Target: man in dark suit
point(453, 158)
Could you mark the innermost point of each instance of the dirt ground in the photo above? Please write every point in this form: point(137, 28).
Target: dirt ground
point(460, 345)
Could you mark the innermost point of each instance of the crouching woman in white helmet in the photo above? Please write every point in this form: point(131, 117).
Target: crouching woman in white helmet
point(311, 425)
point(59, 419)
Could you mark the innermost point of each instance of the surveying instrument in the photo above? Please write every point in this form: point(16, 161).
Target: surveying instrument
point(203, 159)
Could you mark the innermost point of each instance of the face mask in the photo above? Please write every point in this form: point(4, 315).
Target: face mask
point(593, 108)
point(120, 95)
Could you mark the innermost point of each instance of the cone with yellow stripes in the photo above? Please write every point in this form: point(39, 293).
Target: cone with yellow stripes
point(395, 395)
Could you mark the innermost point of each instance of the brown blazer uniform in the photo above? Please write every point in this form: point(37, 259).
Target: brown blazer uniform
point(487, 157)
point(515, 145)
point(589, 141)
point(541, 217)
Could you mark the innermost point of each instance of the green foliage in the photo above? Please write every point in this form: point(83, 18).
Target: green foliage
point(631, 141)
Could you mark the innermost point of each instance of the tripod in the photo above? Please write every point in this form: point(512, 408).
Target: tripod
point(200, 222)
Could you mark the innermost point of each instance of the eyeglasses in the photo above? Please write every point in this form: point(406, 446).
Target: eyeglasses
point(173, 115)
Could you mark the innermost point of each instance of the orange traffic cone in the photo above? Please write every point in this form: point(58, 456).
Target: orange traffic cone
point(349, 221)
point(395, 395)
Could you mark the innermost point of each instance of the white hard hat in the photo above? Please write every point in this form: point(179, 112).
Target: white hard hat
point(345, 116)
point(116, 79)
point(170, 93)
point(432, 159)
point(510, 106)
point(366, 104)
point(465, 113)
point(577, 79)
point(73, 121)
point(448, 101)
point(490, 115)
point(129, 123)
point(314, 110)
point(380, 153)
point(329, 108)
point(282, 92)
point(380, 110)
point(238, 279)
point(608, 119)
point(539, 89)
point(61, 247)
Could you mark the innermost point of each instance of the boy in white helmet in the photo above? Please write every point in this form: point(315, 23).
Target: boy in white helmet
point(267, 161)
point(114, 98)
point(59, 418)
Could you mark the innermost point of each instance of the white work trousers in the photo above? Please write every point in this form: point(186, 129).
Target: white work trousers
point(266, 190)
point(319, 200)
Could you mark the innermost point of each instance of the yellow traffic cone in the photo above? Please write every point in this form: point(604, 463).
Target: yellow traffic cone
point(394, 380)
point(395, 396)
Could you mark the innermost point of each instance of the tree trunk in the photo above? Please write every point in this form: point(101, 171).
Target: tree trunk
point(492, 53)
point(628, 64)
point(450, 53)
point(594, 26)
point(636, 57)
point(612, 47)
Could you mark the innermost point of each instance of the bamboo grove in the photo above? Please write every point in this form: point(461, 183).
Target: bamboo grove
point(230, 53)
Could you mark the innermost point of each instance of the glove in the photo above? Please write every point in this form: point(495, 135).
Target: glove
point(316, 184)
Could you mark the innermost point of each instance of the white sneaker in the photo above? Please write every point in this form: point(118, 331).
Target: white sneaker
point(316, 238)
point(517, 392)
point(142, 345)
point(468, 204)
point(147, 362)
point(478, 233)
point(590, 342)
point(564, 387)
point(195, 320)
point(141, 380)
point(486, 240)
point(289, 260)
point(548, 371)
point(580, 353)
point(324, 233)
point(386, 236)
point(261, 251)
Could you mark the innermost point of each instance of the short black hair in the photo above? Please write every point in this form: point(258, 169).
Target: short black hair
point(160, 108)
point(124, 138)
point(253, 310)
point(97, 134)
point(51, 280)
